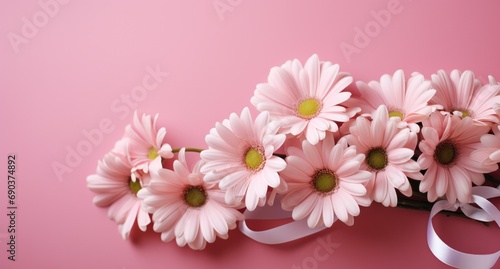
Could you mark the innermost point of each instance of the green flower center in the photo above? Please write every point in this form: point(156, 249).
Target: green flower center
point(324, 181)
point(396, 113)
point(445, 152)
point(153, 153)
point(465, 113)
point(377, 158)
point(135, 186)
point(309, 108)
point(254, 158)
point(195, 196)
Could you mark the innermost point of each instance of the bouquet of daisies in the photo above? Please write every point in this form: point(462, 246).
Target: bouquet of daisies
point(321, 143)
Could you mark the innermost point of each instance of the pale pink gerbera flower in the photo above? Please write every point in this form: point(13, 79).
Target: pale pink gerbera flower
point(186, 208)
point(306, 99)
point(114, 188)
point(388, 150)
point(493, 81)
point(489, 153)
point(325, 181)
point(240, 158)
point(463, 95)
point(405, 99)
point(143, 142)
point(447, 144)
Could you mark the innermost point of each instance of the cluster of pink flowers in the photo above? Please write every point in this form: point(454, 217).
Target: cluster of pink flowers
point(132, 182)
point(325, 144)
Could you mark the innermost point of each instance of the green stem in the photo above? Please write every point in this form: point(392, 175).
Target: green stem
point(176, 150)
point(282, 156)
point(427, 206)
point(420, 195)
point(492, 179)
point(188, 150)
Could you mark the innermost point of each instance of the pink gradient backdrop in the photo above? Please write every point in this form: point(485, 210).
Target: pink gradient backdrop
point(67, 78)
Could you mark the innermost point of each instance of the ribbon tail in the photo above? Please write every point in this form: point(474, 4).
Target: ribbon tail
point(453, 257)
point(282, 234)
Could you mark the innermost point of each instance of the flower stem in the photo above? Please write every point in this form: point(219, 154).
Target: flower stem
point(282, 156)
point(404, 202)
point(187, 149)
point(492, 179)
point(419, 195)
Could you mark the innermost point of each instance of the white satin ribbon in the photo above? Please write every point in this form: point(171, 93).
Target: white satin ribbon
point(294, 230)
point(278, 235)
point(487, 212)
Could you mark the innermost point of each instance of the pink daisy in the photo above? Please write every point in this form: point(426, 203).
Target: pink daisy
point(406, 99)
point(463, 95)
point(185, 207)
point(143, 142)
point(115, 189)
point(388, 150)
point(493, 81)
point(240, 158)
point(489, 153)
point(325, 181)
point(306, 99)
point(447, 144)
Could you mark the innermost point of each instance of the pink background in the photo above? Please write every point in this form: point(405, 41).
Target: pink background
point(71, 75)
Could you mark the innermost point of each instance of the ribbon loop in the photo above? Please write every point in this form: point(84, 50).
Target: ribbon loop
point(486, 212)
point(282, 234)
point(294, 230)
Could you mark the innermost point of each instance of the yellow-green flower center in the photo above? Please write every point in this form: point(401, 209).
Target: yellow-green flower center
point(377, 158)
point(195, 196)
point(465, 113)
point(445, 152)
point(153, 153)
point(309, 108)
point(396, 113)
point(135, 186)
point(324, 181)
point(254, 158)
